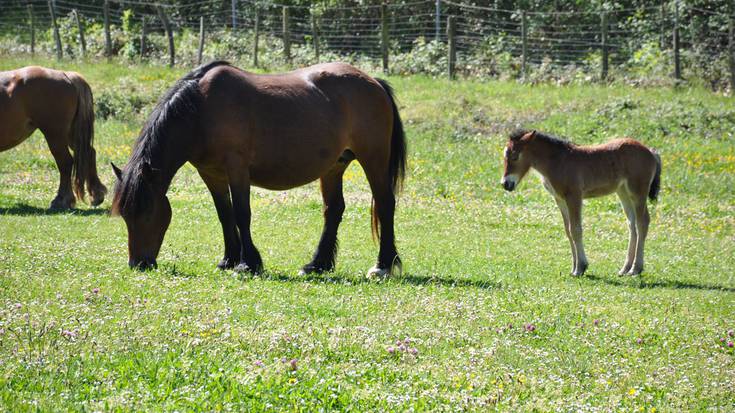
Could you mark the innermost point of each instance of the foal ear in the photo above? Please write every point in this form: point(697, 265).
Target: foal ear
point(531, 134)
point(117, 171)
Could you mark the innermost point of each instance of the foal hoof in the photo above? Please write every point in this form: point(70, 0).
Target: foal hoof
point(579, 271)
point(635, 271)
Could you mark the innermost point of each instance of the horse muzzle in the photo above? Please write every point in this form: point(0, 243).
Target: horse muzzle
point(508, 183)
point(142, 264)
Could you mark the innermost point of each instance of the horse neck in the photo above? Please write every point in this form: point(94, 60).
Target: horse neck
point(544, 155)
point(169, 156)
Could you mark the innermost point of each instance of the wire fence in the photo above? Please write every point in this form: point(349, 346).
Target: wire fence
point(663, 40)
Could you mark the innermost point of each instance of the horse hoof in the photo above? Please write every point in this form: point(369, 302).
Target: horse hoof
point(226, 264)
point(312, 269)
point(623, 271)
point(635, 271)
point(376, 272)
point(60, 204)
point(244, 268)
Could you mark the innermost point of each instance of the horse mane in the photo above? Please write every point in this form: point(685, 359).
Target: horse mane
point(551, 139)
point(178, 106)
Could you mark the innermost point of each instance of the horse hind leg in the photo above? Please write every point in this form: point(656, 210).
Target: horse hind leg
point(642, 220)
point(384, 210)
point(334, 206)
point(58, 145)
point(567, 230)
point(629, 209)
point(574, 203)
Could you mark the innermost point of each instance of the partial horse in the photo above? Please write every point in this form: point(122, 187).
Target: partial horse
point(60, 104)
point(571, 173)
point(274, 131)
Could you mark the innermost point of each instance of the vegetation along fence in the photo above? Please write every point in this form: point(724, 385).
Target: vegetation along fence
point(636, 40)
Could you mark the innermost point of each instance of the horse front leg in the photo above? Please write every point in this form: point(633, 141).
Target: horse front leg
point(334, 207)
point(642, 220)
point(250, 260)
point(567, 230)
point(220, 191)
point(574, 203)
point(629, 209)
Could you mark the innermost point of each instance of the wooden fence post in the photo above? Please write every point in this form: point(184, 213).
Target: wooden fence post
point(315, 36)
point(603, 38)
point(57, 38)
point(524, 45)
point(731, 48)
point(286, 35)
point(257, 37)
point(201, 40)
point(108, 40)
point(82, 43)
point(384, 36)
point(169, 34)
point(33, 29)
point(452, 58)
point(677, 60)
point(143, 33)
point(234, 14)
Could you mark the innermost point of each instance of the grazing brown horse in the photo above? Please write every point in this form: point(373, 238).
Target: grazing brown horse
point(60, 105)
point(571, 173)
point(273, 131)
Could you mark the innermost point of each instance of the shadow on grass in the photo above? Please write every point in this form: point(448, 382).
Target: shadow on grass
point(642, 283)
point(348, 279)
point(29, 210)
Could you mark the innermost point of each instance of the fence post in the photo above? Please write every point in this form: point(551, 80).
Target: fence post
point(452, 58)
point(234, 15)
point(663, 25)
point(286, 36)
point(33, 29)
point(169, 34)
point(437, 22)
point(677, 61)
point(82, 43)
point(315, 36)
point(108, 40)
point(57, 38)
point(603, 38)
point(201, 40)
point(257, 36)
point(731, 47)
point(524, 46)
point(143, 33)
point(384, 36)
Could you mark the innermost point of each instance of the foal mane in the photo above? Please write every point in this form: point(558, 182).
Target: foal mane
point(178, 106)
point(551, 139)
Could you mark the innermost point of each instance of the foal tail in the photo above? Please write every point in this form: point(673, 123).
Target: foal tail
point(656, 183)
point(397, 161)
point(84, 169)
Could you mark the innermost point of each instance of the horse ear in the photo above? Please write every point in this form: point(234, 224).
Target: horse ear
point(532, 134)
point(117, 171)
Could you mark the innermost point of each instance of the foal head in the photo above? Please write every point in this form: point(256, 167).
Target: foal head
point(517, 163)
point(141, 200)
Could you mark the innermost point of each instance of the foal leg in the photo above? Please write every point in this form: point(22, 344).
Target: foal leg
point(334, 207)
point(221, 196)
point(574, 203)
point(385, 206)
point(565, 215)
point(57, 143)
point(629, 209)
point(250, 260)
point(642, 219)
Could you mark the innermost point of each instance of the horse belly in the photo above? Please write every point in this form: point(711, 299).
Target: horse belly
point(16, 126)
point(294, 166)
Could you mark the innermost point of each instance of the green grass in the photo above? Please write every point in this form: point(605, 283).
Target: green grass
point(480, 264)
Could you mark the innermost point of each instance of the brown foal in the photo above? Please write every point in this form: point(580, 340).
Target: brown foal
point(60, 105)
point(571, 173)
point(274, 131)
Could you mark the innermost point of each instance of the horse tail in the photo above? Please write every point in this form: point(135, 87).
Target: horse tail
point(656, 183)
point(84, 169)
point(398, 151)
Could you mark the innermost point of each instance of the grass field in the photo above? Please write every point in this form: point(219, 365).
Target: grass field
point(486, 310)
